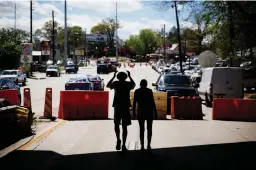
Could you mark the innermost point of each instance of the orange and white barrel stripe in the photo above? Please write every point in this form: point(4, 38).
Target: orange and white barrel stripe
point(27, 98)
point(48, 103)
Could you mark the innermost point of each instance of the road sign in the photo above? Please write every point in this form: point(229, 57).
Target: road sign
point(46, 48)
point(26, 59)
point(27, 49)
point(26, 54)
point(79, 52)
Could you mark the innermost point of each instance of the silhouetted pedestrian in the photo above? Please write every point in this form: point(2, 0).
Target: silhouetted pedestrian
point(121, 105)
point(146, 111)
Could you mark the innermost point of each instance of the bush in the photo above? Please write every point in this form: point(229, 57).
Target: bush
point(9, 55)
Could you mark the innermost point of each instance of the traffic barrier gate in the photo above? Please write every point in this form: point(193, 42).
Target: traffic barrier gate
point(160, 99)
point(27, 98)
point(83, 105)
point(234, 109)
point(186, 108)
point(11, 95)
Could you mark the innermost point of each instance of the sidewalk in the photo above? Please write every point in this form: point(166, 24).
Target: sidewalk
point(38, 76)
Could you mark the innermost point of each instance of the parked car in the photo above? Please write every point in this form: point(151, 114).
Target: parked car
point(224, 82)
point(174, 85)
point(53, 71)
point(71, 68)
point(249, 79)
point(15, 75)
point(6, 83)
point(80, 82)
point(98, 83)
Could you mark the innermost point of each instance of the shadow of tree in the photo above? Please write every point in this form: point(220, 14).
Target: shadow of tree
point(229, 156)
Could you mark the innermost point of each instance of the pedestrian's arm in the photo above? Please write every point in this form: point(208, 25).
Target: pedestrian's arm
point(132, 82)
point(110, 83)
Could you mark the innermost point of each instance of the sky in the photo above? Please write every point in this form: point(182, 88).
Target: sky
point(133, 15)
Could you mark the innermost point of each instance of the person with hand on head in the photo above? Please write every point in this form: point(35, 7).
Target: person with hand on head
point(146, 111)
point(121, 105)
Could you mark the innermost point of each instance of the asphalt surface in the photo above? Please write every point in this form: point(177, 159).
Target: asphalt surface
point(177, 144)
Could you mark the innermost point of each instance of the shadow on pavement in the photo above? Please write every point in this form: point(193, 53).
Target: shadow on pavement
point(12, 135)
point(229, 156)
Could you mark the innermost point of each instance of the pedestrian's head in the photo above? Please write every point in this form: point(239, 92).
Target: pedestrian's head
point(143, 83)
point(121, 76)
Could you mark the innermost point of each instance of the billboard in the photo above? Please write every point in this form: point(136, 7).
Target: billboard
point(46, 48)
point(26, 53)
point(79, 52)
point(100, 38)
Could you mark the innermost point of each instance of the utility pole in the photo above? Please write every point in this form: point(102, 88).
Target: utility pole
point(53, 39)
point(65, 34)
point(15, 14)
point(164, 44)
point(31, 33)
point(85, 49)
point(31, 21)
point(116, 36)
point(178, 30)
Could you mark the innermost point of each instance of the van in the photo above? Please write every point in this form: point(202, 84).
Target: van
point(220, 82)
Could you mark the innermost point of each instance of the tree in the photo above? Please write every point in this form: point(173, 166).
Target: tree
point(10, 53)
point(144, 42)
point(107, 27)
point(13, 35)
point(135, 44)
point(149, 40)
point(46, 31)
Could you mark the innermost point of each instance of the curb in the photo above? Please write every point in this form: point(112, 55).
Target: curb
point(42, 78)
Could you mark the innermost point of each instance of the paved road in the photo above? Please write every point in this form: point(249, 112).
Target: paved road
point(38, 87)
point(177, 144)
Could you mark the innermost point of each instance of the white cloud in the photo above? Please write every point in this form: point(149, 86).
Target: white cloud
point(133, 27)
point(106, 6)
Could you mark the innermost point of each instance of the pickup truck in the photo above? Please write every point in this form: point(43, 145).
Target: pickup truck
point(15, 75)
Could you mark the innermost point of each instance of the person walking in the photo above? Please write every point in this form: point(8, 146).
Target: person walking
point(121, 105)
point(146, 111)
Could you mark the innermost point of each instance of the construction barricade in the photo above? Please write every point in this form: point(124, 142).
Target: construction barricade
point(234, 109)
point(83, 105)
point(186, 108)
point(160, 101)
point(27, 98)
point(12, 96)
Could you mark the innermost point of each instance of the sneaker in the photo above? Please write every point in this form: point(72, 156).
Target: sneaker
point(118, 145)
point(124, 149)
point(142, 148)
point(149, 148)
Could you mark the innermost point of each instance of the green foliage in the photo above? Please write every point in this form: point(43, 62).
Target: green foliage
point(144, 42)
point(9, 55)
point(13, 35)
point(108, 27)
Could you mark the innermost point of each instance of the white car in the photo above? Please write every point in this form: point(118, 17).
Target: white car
point(53, 71)
point(15, 75)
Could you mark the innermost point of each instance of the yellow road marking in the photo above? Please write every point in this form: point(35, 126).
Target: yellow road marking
point(41, 136)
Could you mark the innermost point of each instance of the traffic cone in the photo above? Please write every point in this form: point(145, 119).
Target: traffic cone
point(27, 98)
point(48, 105)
